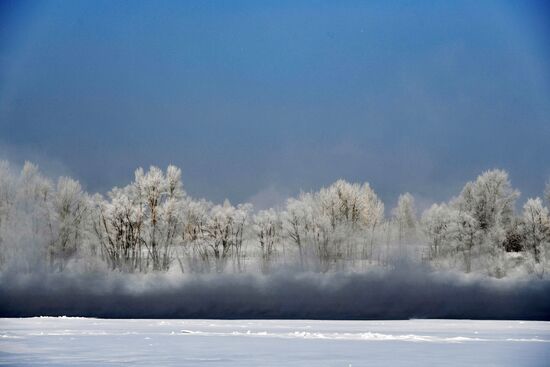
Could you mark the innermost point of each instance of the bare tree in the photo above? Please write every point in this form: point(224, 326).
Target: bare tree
point(405, 216)
point(70, 210)
point(536, 227)
point(267, 227)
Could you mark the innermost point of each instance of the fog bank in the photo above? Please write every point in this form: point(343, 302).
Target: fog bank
point(403, 294)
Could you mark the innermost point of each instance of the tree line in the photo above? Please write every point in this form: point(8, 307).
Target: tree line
point(153, 225)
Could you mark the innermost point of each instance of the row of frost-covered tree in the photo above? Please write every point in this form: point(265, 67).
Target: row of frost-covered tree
point(153, 225)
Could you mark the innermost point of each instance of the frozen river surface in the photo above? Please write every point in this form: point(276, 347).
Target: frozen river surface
point(101, 342)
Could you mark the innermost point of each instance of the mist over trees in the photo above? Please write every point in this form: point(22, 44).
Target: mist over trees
point(152, 225)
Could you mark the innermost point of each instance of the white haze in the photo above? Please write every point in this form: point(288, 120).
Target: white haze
point(150, 250)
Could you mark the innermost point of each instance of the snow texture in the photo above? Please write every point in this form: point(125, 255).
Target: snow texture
point(86, 341)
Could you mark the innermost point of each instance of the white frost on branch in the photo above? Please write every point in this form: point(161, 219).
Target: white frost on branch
point(153, 225)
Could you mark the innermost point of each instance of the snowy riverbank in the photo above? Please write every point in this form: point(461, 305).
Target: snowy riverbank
point(85, 341)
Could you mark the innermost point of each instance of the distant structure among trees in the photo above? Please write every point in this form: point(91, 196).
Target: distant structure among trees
point(153, 225)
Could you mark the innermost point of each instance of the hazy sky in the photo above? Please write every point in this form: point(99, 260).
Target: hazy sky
point(257, 100)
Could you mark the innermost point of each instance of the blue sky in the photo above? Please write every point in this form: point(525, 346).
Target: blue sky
point(257, 100)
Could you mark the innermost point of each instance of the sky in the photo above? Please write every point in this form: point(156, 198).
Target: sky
point(256, 101)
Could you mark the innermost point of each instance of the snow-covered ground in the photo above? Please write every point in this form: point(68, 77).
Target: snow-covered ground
point(93, 342)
